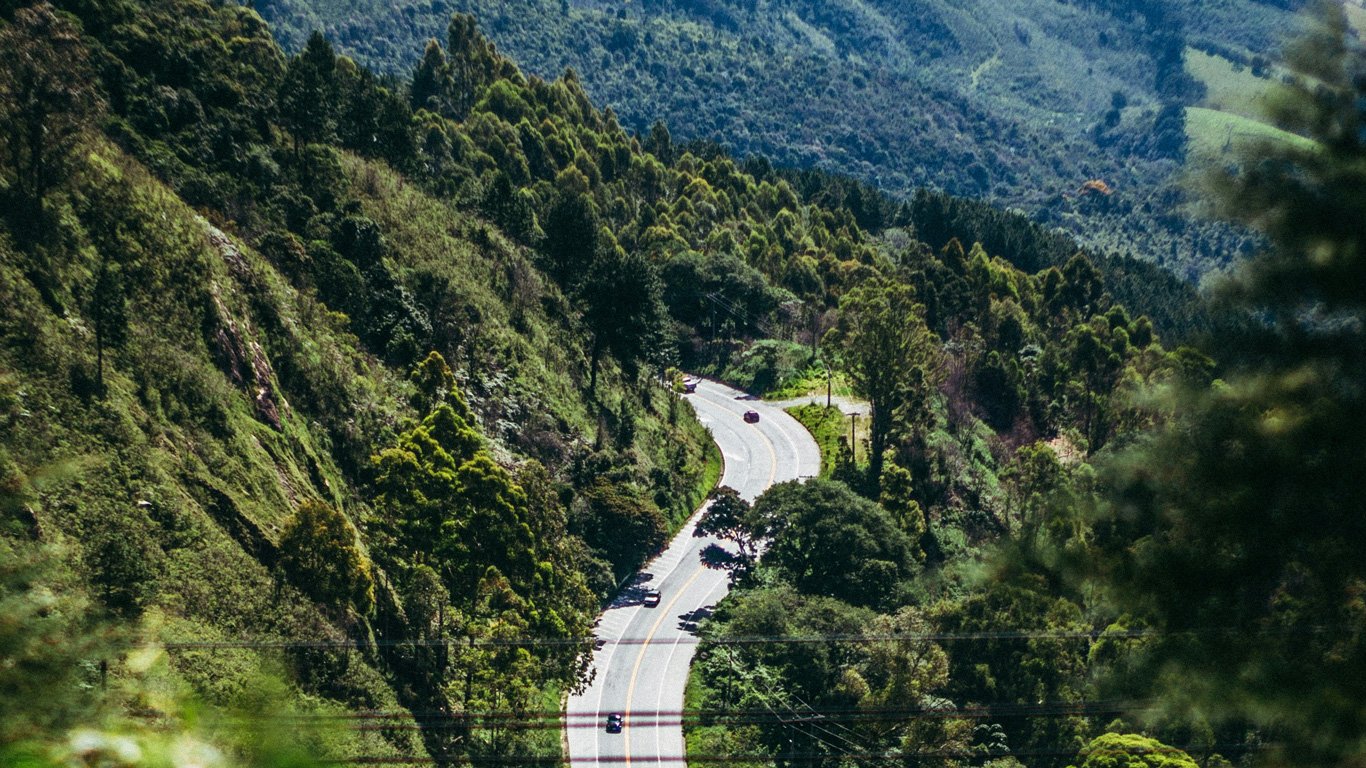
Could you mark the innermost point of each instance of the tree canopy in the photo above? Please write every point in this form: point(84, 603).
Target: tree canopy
point(827, 540)
point(890, 355)
point(320, 550)
point(1236, 531)
point(47, 97)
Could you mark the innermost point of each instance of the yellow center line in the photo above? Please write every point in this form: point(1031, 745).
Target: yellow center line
point(635, 671)
point(667, 610)
point(773, 461)
point(772, 452)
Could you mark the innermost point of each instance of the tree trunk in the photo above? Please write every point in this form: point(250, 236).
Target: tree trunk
point(99, 360)
point(594, 357)
point(877, 443)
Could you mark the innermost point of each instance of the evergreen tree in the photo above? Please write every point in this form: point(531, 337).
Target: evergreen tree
point(897, 497)
point(509, 208)
point(1237, 532)
point(47, 97)
point(473, 63)
point(624, 311)
point(890, 356)
point(571, 237)
point(659, 143)
point(432, 87)
point(308, 97)
point(374, 120)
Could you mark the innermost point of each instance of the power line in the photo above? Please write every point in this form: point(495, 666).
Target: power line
point(739, 313)
point(740, 640)
point(794, 756)
point(841, 717)
point(466, 642)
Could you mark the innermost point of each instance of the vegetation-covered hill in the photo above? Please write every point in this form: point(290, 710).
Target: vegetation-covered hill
point(346, 392)
point(226, 433)
point(1193, 589)
point(1022, 102)
point(313, 389)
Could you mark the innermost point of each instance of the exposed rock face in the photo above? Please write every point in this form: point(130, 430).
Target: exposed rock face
point(244, 361)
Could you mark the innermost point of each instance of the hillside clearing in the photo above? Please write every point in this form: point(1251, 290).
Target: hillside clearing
point(1229, 87)
point(1213, 134)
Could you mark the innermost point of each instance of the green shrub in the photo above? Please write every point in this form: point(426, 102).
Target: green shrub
point(320, 553)
point(768, 366)
point(1129, 750)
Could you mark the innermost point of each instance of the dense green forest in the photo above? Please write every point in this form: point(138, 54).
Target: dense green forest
point(1188, 594)
point(323, 391)
point(1078, 113)
point(308, 375)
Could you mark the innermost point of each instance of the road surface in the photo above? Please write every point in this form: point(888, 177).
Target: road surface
point(847, 405)
point(642, 666)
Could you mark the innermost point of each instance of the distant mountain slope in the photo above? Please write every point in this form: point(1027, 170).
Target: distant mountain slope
point(1019, 102)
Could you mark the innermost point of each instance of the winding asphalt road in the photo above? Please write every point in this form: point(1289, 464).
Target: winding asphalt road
point(642, 666)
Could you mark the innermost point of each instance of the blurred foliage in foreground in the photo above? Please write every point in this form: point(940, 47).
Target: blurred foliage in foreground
point(1237, 531)
point(75, 691)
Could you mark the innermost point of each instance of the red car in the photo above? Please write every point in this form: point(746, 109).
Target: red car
point(751, 417)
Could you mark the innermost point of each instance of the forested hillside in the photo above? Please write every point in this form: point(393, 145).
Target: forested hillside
point(1184, 590)
point(1073, 112)
point(333, 388)
point(335, 405)
point(227, 434)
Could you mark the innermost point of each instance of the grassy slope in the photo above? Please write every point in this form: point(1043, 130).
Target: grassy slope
point(830, 428)
point(531, 370)
point(1233, 110)
point(1214, 134)
point(175, 479)
point(1228, 88)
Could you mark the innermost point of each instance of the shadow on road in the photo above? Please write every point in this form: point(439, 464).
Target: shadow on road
point(634, 591)
point(688, 622)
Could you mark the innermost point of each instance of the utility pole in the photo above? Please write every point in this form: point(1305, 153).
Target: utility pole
point(815, 329)
point(828, 375)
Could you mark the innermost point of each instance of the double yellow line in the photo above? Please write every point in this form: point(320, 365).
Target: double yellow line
point(644, 647)
point(668, 610)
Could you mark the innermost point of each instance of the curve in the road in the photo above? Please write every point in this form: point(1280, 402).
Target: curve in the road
point(645, 676)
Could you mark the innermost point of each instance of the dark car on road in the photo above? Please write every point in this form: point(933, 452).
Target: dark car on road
point(752, 417)
point(652, 598)
point(614, 722)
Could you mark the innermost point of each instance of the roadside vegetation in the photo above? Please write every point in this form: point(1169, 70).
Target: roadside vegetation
point(835, 434)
